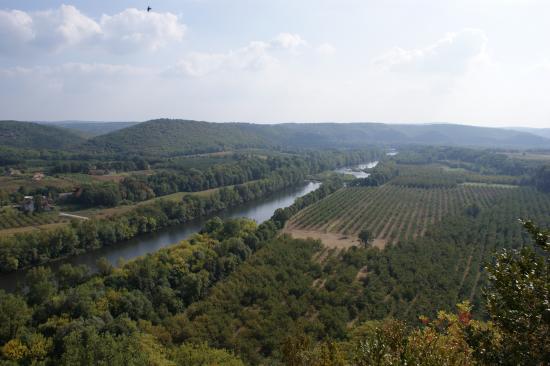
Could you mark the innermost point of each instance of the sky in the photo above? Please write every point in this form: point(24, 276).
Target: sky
point(477, 62)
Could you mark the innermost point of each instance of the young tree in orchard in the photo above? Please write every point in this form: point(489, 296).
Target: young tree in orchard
point(365, 237)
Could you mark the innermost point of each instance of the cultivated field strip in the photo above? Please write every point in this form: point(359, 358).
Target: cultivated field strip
point(15, 219)
point(390, 212)
point(493, 235)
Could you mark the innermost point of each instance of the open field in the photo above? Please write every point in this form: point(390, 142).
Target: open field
point(390, 212)
point(25, 229)
point(530, 156)
point(12, 184)
point(12, 218)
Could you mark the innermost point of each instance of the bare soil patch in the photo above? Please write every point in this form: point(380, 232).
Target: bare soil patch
point(379, 243)
point(362, 273)
point(329, 240)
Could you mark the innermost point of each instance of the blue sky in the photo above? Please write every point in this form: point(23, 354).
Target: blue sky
point(483, 62)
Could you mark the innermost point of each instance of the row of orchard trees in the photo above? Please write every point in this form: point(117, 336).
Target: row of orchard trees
point(516, 333)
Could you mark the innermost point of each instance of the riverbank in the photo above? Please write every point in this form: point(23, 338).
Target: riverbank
point(259, 210)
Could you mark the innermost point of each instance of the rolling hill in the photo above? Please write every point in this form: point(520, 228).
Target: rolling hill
point(90, 129)
point(182, 136)
point(544, 132)
point(164, 137)
point(28, 135)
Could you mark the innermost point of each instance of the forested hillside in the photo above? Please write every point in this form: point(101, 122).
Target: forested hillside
point(90, 129)
point(171, 136)
point(36, 136)
point(191, 136)
point(168, 137)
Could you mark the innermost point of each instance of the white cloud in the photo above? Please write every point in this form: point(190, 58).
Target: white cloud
point(257, 55)
point(326, 49)
point(133, 29)
point(253, 57)
point(453, 54)
point(127, 31)
point(288, 41)
point(63, 27)
point(15, 29)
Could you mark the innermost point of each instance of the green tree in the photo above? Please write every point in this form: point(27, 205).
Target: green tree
point(518, 300)
point(14, 315)
point(41, 285)
point(198, 355)
point(365, 237)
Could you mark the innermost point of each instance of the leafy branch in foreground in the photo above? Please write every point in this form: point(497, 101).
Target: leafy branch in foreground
point(518, 299)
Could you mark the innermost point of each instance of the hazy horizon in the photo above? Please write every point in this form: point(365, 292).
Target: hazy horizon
point(275, 123)
point(473, 63)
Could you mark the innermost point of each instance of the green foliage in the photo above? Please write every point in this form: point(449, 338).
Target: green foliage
point(36, 136)
point(88, 347)
point(379, 175)
point(13, 218)
point(14, 316)
point(181, 136)
point(542, 178)
point(114, 318)
point(30, 249)
point(198, 355)
point(396, 213)
point(365, 236)
point(257, 305)
point(518, 300)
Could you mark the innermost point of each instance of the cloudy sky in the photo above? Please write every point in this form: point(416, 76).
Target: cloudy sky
point(480, 62)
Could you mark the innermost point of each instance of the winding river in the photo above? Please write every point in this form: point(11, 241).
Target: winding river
point(258, 210)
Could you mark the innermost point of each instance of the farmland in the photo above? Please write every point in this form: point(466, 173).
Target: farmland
point(391, 212)
point(10, 218)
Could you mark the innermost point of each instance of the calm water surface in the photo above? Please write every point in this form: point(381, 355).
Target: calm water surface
point(357, 171)
point(258, 210)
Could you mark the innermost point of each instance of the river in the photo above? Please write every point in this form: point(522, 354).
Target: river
point(358, 170)
point(258, 210)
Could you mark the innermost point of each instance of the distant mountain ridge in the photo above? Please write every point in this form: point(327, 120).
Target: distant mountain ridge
point(543, 132)
point(165, 137)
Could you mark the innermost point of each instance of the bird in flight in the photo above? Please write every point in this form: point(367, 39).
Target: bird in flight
point(148, 9)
